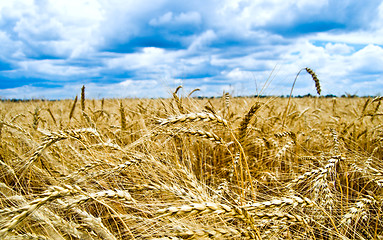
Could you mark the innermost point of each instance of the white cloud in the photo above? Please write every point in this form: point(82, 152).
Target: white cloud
point(52, 68)
point(336, 71)
point(356, 37)
point(59, 27)
point(8, 47)
point(338, 48)
point(368, 60)
point(202, 40)
point(164, 19)
point(126, 19)
point(188, 18)
point(183, 18)
point(148, 58)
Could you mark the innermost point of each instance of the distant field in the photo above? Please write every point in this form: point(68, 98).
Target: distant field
point(183, 168)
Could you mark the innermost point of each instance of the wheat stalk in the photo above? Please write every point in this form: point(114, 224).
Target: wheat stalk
point(51, 114)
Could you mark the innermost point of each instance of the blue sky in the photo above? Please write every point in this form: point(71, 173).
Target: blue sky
point(146, 48)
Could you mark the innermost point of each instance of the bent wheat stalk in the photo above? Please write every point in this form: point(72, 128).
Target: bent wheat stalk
point(317, 86)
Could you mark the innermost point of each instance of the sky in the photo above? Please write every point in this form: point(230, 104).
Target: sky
point(146, 48)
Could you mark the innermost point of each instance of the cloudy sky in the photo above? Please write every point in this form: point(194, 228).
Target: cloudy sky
point(146, 48)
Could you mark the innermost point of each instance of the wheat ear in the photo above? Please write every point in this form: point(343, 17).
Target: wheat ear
point(246, 120)
point(194, 90)
point(214, 208)
point(18, 128)
point(291, 134)
point(315, 78)
point(376, 99)
point(46, 217)
point(200, 133)
point(73, 108)
point(210, 233)
point(122, 117)
point(36, 118)
point(218, 208)
point(317, 173)
point(35, 204)
point(178, 100)
point(16, 117)
point(83, 98)
point(52, 138)
point(92, 222)
point(286, 201)
point(193, 117)
point(359, 208)
point(117, 194)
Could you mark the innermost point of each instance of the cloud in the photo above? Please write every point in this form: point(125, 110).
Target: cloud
point(367, 61)
point(51, 29)
point(338, 48)
point(216, 45)
point(182, 19)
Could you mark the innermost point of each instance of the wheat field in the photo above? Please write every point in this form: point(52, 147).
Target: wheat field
point(187, 168)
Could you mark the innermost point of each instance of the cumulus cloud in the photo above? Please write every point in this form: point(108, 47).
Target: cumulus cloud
point(50, 48)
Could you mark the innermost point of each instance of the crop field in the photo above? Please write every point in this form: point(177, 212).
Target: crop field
point(188, 168)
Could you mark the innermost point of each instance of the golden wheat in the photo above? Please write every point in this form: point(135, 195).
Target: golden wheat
point(311, 170)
